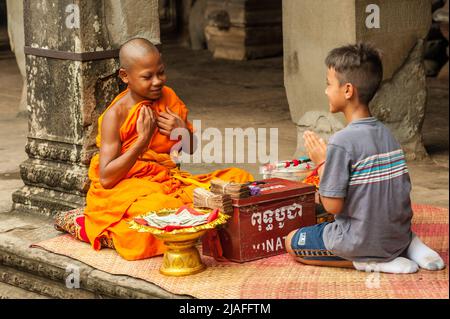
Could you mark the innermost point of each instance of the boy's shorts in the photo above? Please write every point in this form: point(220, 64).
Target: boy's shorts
point(307, 243)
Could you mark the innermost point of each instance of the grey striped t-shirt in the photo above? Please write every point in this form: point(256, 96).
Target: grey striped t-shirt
point(366, 166)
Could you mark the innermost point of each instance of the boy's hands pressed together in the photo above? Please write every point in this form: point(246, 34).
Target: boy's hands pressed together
point(145, 126)
point(167, 121)
point(315, 146)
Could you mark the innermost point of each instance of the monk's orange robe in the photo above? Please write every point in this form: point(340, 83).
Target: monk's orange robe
point(153, 183)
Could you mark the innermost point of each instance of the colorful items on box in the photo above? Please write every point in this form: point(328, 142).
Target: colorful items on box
point(303, 162)
point(313, 179)
point(295, 170)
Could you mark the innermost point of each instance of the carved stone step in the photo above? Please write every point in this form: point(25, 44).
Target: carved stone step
point(46, 202)
point(40, 285)
point(12, 292)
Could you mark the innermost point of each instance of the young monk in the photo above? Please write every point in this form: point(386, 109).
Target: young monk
point(134, 173)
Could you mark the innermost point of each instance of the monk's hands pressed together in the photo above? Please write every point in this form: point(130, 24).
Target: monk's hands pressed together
point(145, 127)
point(315, 146)
point(168, 121)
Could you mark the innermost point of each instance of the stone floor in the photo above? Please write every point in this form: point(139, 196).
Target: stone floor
point(222, 94)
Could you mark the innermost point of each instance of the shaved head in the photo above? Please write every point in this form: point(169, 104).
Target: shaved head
point(135, 49)
point(142, 69)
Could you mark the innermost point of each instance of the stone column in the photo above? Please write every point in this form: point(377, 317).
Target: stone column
point(71, 49)
point(312, 28)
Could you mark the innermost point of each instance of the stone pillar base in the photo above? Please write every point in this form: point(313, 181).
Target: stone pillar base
point(45, 202)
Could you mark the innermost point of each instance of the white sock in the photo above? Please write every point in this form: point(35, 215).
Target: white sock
point(399, 265)
point(424, 255)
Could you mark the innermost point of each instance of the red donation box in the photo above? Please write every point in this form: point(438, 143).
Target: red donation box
point(260, 224)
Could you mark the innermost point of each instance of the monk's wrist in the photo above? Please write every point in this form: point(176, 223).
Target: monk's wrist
point(181, 124)
point(140, 145)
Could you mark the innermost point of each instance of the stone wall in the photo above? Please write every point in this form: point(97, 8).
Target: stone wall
point(125, 19)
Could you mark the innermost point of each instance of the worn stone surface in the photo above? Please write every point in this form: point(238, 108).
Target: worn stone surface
point(43, 201)
point(127, 287)
point(402, 24)
point(103, 24)
point(12, 292)
point(400, 103)
point(311, 30)
point(125, 20)
point(41, 285)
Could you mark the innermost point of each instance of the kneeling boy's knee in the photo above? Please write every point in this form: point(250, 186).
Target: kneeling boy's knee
point(288, 243)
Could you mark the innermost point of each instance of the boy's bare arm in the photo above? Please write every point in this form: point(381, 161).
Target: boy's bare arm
point(113, 165)
point(331, 205)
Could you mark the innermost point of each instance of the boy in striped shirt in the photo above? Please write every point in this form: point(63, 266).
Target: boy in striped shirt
point(364, 180)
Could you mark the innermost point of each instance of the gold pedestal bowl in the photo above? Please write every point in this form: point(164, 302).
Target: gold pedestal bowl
point(182, 257)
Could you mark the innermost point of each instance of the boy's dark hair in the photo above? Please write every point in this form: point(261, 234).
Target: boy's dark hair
point(359, 64)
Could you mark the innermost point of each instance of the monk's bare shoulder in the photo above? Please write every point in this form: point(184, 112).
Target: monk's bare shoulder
point(116, 115)
point(113, 119)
